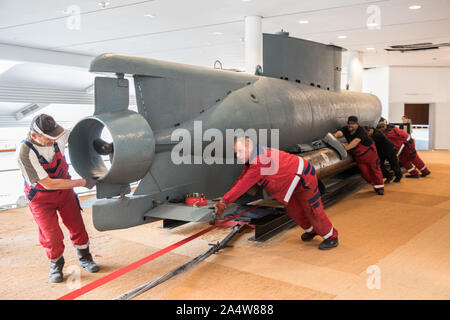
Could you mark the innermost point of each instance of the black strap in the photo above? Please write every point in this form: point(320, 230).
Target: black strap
point(40, 158)
point(55, 146)
point(368, 149)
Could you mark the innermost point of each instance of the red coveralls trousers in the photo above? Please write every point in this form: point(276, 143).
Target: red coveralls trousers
point(410, 160)
point(305, 206)
point(406, 147)
point(366, 157)
point(294, 184)
point(45, 204)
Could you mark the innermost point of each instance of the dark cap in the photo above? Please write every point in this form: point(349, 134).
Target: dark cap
point(353, 119)
point(45, 125)
point(381, 124)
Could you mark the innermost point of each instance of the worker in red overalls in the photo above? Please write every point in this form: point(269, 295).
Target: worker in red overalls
point(406, 150)
point(364, 152)
point(49, 189)
point(288, 178)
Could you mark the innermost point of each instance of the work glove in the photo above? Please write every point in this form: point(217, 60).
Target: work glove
point(219, 207)
point(102, 147)
point(90, 183)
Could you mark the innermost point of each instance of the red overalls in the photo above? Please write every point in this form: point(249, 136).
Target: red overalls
point(293, 182)
point(45, 203)
point(406, 150)
point(366, 157)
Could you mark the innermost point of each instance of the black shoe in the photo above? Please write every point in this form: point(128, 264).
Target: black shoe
point(379, 192)
point(56, 267)
point(425, 174)
point(415, 176)
point(397, 179)
point(308, 236)
point(328, 244)
point(388, 180)
point(86, 261)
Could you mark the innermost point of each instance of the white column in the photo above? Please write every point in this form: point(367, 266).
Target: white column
point(253, 43)
point(354, 68)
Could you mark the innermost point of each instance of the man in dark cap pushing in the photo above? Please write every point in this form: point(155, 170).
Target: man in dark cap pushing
point(364, 152)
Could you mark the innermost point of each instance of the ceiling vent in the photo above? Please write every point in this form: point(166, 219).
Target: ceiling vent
point(29, 109)
point(417, 47)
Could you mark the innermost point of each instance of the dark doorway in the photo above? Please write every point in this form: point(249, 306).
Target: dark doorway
point(418, 113)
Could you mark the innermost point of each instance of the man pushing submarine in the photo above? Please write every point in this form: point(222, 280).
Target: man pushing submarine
point(364, 152)
point(289, 178)
point(293, 182)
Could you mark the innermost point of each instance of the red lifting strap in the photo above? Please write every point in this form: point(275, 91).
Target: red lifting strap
point(113, 275)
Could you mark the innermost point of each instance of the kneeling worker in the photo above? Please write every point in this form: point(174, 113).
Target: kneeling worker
point(49, 189)
point(386, 151)
point(288, 178)
point(364, 152)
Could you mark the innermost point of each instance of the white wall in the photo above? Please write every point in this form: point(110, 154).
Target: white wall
point(376, 81)
point(423, 85)
point(352, 70)
point(441, 120)
point(419, 84)
point(396, 86)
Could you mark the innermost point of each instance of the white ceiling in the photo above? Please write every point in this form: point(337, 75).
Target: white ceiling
point(46, 76)
point(54, 59)
point(183, 30)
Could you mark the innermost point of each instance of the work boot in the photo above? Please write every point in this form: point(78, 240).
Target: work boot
point(397, 179)
point(307, 236)
point(56, 267)
point(415, 176)
point(86, 261)
point(329, 244)
point(379, 192)
point(388, 180)
point(426, 173)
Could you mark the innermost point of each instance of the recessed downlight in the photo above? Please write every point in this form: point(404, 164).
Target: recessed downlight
point(103, 4)
point(415, 7)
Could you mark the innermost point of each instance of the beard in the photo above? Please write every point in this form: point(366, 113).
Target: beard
point(351, 130)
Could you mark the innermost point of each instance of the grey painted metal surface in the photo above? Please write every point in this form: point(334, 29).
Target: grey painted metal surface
point(331, 140)
point(302, 60)
point(171, 96)
point(182, 212)
point(134, 147)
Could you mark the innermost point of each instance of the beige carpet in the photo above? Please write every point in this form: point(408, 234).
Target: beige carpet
point(402, 235)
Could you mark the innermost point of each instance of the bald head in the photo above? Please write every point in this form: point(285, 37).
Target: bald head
point(243, 148)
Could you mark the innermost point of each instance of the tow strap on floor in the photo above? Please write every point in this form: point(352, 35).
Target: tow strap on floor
point(99, 282)
point(151, 284)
